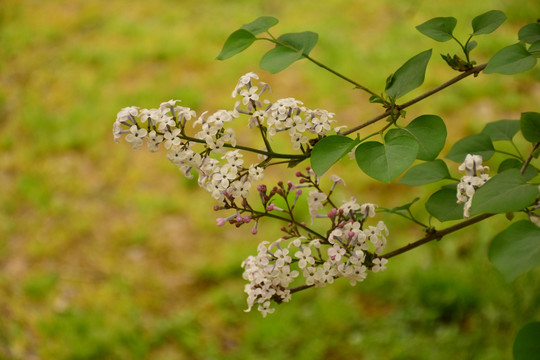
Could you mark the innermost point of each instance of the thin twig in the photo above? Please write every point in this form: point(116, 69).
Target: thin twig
point(436, 235)
point(474, 70)
point(529, 159)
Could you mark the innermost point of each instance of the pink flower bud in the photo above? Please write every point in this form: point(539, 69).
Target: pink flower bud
point(221, 221)
point(216, 207)
point(270, 207)
point(298, 174)
point(247, 219)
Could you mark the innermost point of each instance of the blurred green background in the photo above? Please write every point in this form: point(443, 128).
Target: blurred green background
point(109, 253)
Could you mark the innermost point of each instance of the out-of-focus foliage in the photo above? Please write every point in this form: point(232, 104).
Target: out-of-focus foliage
point(110, 253)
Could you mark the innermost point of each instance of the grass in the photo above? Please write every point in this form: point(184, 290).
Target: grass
point(108, 253)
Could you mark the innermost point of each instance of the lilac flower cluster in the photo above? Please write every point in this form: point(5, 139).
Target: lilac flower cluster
point(475, 178)
point(349, 248)
point(212, 151)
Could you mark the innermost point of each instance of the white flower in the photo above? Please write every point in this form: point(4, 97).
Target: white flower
point(127, 114)
point(282, 257)
point(244, 81)
point(304, 257)
point(379, 264)
point(359, 273)
point(207, 133)
point(167, 106)
point(325, 274)
point(250, 95)
point(298, 140)
point(315, 200)
point(152, 116)
point(255, 173)
point(135, 136)
point(172, 138)
point(336, 252)
point(153, 140)
point(349, 206)
point(475, 178)
point(165, 122)
point(368, 209)
point(234, 158)
point(240, 188)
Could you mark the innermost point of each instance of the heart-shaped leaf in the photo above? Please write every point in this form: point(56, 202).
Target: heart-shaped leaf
point(430, 133)
point(409, 76)
point(439, 28)
point(512, 59)
point(502, 129)
point(488, 22)
point(516, 249)
point(260, 25)
point(328, 151)
point(303, 41)
point(530, 126)
point(425, 173)
point(237, 42)
point(505, 192)
point(385, 162)
point(530, 33)
point(279, 58)
point(479, 144)
point(511, 163)
point(443, 205)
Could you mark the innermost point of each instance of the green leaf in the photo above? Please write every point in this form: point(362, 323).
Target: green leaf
point(385, 162)
point(516, 249)
point(507, 164)
point(526, 344)
point(425, 173)
point(530, 126)
point(512, 59)
point(443, 205)
point(471, 45)
point(237, 42)
point(488, 22)
point(303, 42)
point(501, 130)
point(260, 25)
point(439, 28)
point(479, 144)
point(530, 33)
point(328, 151)
point(279, 58)
point(430, 132)
point(409, 76)
point(535, 48)
point(505, 192)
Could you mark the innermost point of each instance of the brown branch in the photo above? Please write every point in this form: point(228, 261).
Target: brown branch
point(529, 159)
point(436, 235)
point(475, 70)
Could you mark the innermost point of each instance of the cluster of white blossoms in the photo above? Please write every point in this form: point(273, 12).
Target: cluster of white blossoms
point(349, 250)
point(210, 151)
point(475, 178)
